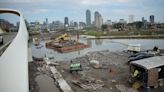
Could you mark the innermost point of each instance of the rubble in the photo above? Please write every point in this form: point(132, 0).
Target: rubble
point(89, 83)
point(112, 76)
point(95, 64)
point(108, 67)
point(123, 88)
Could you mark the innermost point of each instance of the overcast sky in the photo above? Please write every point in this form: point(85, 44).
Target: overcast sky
point(75, 9)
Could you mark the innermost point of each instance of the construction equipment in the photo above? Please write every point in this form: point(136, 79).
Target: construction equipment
point(75, 67)
point(64, 37)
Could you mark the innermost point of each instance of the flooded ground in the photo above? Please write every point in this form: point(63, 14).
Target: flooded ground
point(97, 45)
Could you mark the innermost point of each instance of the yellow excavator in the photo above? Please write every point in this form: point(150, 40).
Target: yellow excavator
point(64, 37)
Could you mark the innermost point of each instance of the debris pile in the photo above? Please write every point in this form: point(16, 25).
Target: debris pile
point(95, 64)
point(107, 57)
point(89, 83)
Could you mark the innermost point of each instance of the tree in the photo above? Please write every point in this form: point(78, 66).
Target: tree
point(104, 27)
point(139, 24)
point(119, 26)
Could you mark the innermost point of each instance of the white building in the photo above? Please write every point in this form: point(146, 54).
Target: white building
point(98, 20)
point(131, 18)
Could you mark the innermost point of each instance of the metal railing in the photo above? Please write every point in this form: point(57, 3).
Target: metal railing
point(14, 60)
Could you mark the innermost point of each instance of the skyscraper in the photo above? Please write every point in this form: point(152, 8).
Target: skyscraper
point(98, 20)
point(88, 17)
point(46, 21)
point(151, 18)
point(131, 18)
point(143, 19)
point(47, 24)
point(144, 22)
point(66, 22)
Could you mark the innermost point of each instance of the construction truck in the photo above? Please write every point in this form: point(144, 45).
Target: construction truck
point(64, 37)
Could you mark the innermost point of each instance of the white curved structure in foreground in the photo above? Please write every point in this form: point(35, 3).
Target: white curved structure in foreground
point(14, 61)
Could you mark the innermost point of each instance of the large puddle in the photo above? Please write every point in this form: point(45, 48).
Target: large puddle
point(97, 45)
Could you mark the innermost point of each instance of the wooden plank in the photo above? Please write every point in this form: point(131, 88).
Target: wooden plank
point(59, 79)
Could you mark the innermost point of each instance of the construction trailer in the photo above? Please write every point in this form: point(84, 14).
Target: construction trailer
point(147, 72)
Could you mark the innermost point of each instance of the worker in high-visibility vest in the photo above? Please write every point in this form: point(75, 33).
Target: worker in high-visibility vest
point(136, 73)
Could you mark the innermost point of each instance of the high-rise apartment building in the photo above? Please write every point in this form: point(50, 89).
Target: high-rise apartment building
point(143, 19)
point(131, 18)
point(151, 18)
point(66, 22)
point(98, 20)
point(47, 25)
point(46, 21)
point(144, 22)
point(88, 17)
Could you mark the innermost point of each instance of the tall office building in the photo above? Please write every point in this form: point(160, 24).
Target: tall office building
point(66, 22)
point(144, 22)
point(98, 20)
point(46, 21)
point(143, 19)
point(47, 24)
point(151, 18)
point(131, 18)
point(88, 17)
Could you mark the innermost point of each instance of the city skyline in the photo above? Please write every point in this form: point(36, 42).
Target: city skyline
point(75, 10)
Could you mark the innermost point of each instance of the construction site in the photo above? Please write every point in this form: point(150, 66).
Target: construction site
point(64, 44)
point(131, 70)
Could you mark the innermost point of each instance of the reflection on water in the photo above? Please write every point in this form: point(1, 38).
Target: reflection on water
point(89, 42)
point(98, 45)
point(98, 41)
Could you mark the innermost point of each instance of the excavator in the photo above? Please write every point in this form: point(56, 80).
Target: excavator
point(64, 37)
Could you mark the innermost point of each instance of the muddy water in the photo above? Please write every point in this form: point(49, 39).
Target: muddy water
point(46, 84)
point(97, 45)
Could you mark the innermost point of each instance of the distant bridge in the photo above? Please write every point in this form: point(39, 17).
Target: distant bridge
point(14, 60)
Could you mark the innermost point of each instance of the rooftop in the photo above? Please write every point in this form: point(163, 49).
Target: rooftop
point(150, 63)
